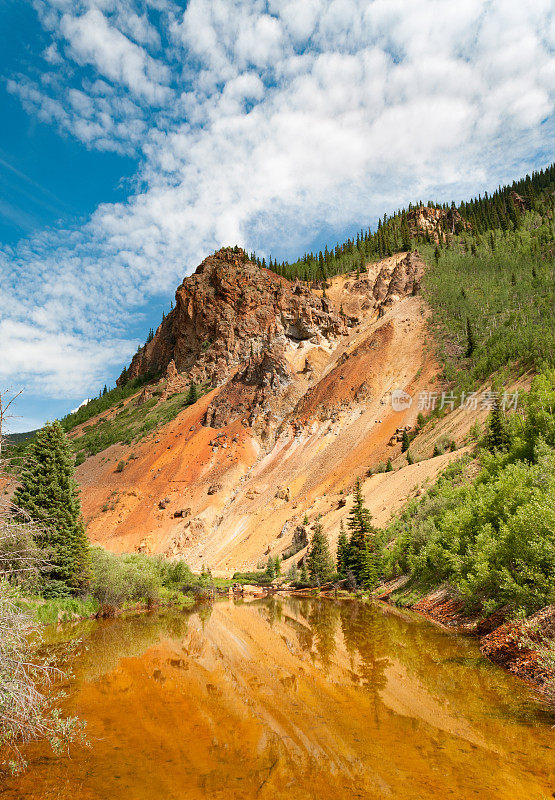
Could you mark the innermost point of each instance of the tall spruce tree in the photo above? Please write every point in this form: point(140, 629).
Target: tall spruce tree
point(370, 566)
point(319, 562)
point(361, 530)
point(497, 437)
point(48, 494)
point(342, 550)
point(470, 340)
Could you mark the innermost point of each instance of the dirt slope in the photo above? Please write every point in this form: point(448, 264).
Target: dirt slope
point(299, 419)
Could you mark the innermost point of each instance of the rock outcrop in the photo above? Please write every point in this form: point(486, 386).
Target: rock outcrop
point(403, 281)
point(522, 203)
point(436, 222)
point(250, 391)
point(229, 311)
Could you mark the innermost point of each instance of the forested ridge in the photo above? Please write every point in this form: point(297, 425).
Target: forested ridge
point(496, 211)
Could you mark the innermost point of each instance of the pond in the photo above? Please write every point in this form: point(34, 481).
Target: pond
point(292, 697)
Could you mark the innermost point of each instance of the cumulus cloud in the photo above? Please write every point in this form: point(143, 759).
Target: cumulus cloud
point(94, 41)
point(263, 123)
point(60, 363)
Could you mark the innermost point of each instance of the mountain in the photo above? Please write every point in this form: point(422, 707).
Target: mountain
point(298, 405)
point(265, 393)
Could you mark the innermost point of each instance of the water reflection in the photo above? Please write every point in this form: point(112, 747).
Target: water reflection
point(291, 696)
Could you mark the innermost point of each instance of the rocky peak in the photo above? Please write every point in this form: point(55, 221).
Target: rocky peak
point(229, 309)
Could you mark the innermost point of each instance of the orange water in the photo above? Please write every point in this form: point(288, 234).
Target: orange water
point(292, 698)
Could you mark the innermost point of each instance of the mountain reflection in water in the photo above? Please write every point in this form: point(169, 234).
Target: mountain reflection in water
point(291, 697)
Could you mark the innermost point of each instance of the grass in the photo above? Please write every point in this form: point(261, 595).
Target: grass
point(99, 404)
point(63, 609)
point(130, 424)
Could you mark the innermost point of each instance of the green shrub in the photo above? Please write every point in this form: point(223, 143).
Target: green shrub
point(493, 539)
point(129, 578)
point(118, 580)
point(496, 322)
point(255, 577)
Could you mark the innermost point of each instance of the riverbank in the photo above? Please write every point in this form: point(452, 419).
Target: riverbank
point(61, 611)
point(522, 646)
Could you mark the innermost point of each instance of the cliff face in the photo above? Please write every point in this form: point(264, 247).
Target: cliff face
point(437, 222)
point(229, 311)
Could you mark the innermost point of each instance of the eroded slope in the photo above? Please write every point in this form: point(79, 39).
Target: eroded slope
point(301, 408)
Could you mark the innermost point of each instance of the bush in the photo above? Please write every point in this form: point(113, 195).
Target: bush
point(121, 466)
point(27, 704)
point(256, 578)
point(493, 539)
point(138, 578)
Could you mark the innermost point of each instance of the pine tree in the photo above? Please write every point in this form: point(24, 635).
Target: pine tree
point(405, 444)
point(192, 394)
point(48, 494)
point(497, 437)
point(320, 563)
point(342, 550)
point(470, 340)
point(304, 573)
point(361, 529)
point(389, 466)
point(277, 567)
point(370, 569)
point(270, 572)
point(405, 235)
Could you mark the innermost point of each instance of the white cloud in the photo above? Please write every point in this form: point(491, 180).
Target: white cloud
point(83, 403)
point(59, 364)
point(263, 124)
point(94, 41)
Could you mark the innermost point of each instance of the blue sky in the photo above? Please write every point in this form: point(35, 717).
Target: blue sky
point(139, 135)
